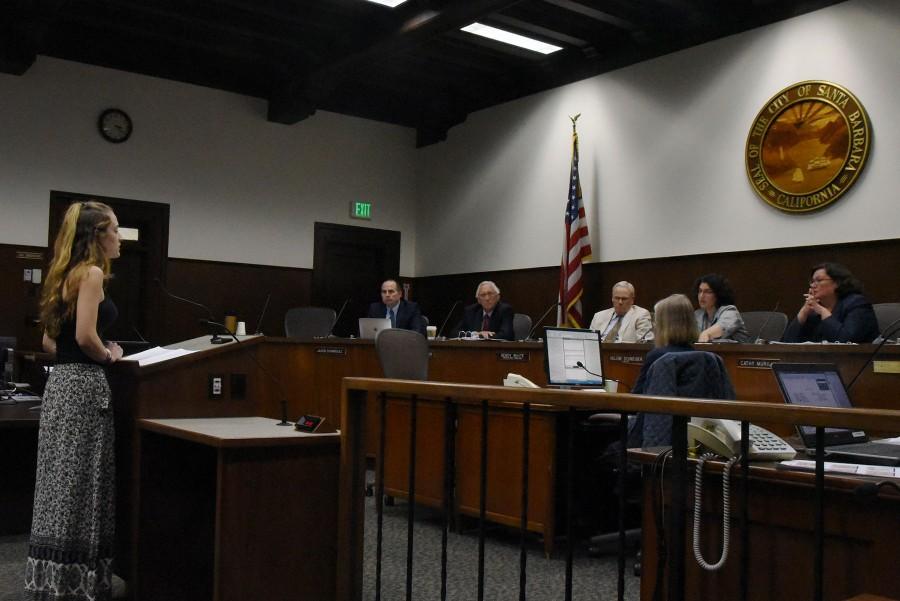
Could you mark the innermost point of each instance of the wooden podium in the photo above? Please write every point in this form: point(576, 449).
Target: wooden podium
point(179, 388)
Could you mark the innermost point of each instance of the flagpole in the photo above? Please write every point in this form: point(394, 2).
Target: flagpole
point(576, 246)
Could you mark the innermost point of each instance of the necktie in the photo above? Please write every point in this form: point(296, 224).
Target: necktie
point(486, 323)
point(393, 319)
point(613, 331)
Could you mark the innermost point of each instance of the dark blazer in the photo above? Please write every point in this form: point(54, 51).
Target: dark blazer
point(408, 315)
point(852, 320)
point(501, 320)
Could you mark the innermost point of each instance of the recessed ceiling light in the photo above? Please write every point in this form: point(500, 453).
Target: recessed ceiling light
point(510, 38)
point(391, 3)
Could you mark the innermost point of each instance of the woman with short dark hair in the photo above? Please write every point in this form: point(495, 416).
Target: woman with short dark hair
point(717, 318)
point(834, 309)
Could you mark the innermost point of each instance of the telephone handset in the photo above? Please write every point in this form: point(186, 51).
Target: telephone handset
point(723, 437)
point(512, 379)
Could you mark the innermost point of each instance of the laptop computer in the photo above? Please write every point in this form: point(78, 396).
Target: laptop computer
point(572, 357)
point(820, 385)
point(370, 326)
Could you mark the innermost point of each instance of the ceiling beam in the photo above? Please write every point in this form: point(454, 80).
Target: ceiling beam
point(297, 99)
point(23, 27)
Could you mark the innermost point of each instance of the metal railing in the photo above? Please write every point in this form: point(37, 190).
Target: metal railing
point(357, 392)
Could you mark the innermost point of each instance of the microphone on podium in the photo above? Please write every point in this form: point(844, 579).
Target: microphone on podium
point(215, 337)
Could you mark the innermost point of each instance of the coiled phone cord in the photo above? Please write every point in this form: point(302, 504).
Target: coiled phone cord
point(726, 512)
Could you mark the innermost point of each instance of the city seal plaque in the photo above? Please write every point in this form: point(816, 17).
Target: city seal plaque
point(807, 146)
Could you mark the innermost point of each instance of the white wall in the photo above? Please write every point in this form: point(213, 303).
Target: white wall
point(662, 145)
point(241, 189)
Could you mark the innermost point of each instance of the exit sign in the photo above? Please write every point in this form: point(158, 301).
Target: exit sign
point(360, 210)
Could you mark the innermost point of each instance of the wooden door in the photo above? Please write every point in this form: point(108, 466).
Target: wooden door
point(133, 288)
point(350, 263)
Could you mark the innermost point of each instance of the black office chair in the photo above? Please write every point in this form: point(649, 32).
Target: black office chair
point(692, 374)
point(403, 354)
point(764, 325)
point(309, 322)
point(521, 326)
point(886, 314)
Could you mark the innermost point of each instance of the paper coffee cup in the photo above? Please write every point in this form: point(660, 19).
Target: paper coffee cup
point(610, 385)
point(432, 331)
point(241, 328)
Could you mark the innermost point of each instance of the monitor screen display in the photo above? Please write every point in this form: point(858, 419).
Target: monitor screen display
point(572, 357)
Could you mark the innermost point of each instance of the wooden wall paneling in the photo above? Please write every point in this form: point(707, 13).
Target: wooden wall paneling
point(231, 288)
point(19, 303)
point(760, 278)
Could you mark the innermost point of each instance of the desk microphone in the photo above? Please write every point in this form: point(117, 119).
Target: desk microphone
point(259, 323)
point(581, 365)
point(215, 338)
point(338, 318)
point(446, 319)
point(759, 339)
point(554, 304)
point(881, 340)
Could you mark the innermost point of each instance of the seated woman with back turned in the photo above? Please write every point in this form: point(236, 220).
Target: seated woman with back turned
point(717, 317)
point(834, 309)
point(676, 332)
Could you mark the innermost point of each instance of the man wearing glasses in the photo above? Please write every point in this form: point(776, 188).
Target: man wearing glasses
point(489, 317)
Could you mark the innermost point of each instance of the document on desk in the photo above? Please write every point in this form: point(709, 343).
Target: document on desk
point(157, 354)
point(851, 469)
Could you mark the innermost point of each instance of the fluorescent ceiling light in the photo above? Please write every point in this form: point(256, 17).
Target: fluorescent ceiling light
point(510, 38)
point(391, 3)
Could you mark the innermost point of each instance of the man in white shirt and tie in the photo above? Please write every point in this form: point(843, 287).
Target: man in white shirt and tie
point(624, 321)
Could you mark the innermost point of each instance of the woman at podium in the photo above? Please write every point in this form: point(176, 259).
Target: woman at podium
point(71, 544)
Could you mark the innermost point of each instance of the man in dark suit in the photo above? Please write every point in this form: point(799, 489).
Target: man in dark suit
point(402, 313)
point(489, 317)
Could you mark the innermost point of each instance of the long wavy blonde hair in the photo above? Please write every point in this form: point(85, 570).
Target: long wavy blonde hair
point(77, 249)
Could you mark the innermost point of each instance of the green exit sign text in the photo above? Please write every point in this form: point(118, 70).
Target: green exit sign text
point(360, 209)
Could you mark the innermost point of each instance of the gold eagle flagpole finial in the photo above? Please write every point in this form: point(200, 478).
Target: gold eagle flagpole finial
point(574, 119)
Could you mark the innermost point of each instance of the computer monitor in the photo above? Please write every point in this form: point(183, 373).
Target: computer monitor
point(572, 357)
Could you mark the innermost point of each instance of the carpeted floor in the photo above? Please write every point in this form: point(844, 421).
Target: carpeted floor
point(592, 578)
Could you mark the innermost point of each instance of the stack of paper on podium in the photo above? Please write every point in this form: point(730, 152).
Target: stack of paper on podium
point(156, 355)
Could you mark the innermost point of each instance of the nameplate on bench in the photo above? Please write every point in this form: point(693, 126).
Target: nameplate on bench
point(331, 350)
point(628, 359)
point(756, 363)
point(518, 356)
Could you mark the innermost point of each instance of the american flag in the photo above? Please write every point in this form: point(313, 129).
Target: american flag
point(577, 247)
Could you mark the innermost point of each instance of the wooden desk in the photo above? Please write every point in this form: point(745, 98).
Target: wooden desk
point(861, 537)
point(18, 466)
point(236, 508)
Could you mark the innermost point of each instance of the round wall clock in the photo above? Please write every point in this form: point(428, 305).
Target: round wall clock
point(115, 125)
point(807, 146)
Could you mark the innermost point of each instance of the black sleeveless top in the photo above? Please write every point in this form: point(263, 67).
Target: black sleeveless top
point(67, 349)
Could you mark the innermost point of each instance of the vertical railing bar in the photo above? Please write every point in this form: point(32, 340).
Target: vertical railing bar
point(620, 484)
point(677, 517)
point(411, 506)
point(570, 502)
point(818, 569)
point(482, 501)
point(745, 510)
point(449, 466)
point(379, 491)
point(523, 529)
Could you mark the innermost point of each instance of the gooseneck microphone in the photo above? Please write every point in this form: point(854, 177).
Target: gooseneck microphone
point(338, 318)
point(552, 306)
point(759, 338)
point(259, 323)
point(581, 365)
point(446, 319)
point(215, 337)
point(891, 328)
